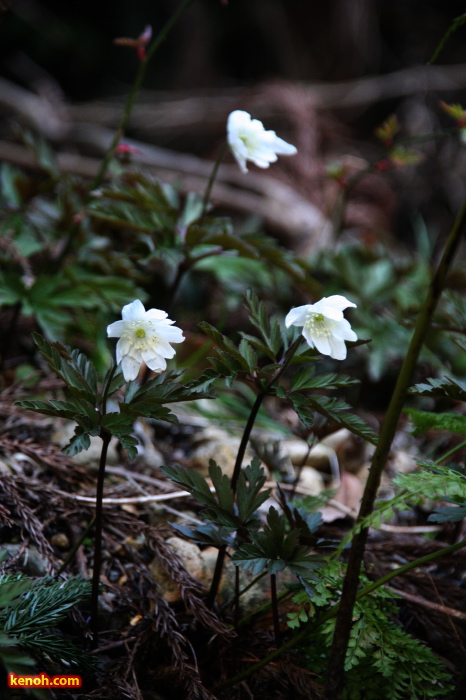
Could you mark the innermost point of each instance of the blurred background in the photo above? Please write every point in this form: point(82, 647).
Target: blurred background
point(325, 76)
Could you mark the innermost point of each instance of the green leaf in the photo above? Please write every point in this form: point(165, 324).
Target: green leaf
point(225, 344)
point(222, 486)
point(274, 549)
point(258, 344)
point(448, 514)
point(130, 443)
point(267, 325)
point(248, 490)
point(75, 370)
point(12, 289)
point(439, 388)
point(117, 381)
point(249, 355)
point(80, 441)
point(304, 378)
point(192, 481)
point(336, 412)
point(207, 534)
point(425, 420)
point(118, 423)
point(149, 409)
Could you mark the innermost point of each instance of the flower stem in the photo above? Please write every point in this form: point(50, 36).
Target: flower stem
point(335, 674)
point(276, 620)
point(313, 625)
point(213, 175)
point(134, 91)
point(285, 361)
point(106, 437)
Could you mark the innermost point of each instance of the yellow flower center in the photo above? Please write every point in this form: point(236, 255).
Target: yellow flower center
point(315, 323)
point(141, 339)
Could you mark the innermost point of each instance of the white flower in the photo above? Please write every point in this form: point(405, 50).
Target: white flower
point(249, 140)
point(324, 326)
point(144, 336)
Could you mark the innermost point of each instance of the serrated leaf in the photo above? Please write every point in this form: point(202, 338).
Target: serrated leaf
point(258, 344)
point(149, 409)
point(248, 490)
point(249, 355)
point(448, 514)
point(438, 388)
point(425, 420)
point(305, 378)
point(130, 444)
point(267, 325)
point(222, 485)
point(192, 481)
point(118, 423)
point(337, 412)
point(250, 557)
point(206, 534)
point(80, 441)
point(116, 381)
point(224, 344)
point(69, 367)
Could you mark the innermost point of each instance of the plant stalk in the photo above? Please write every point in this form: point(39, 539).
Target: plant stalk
point(135, 89)
point(106, 437)
point(213, 175)
point(276, 619)
point(240, 456)
point(335, 672)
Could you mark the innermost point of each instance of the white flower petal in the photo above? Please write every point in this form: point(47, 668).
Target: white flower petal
point(171, 334)
point(322, 344)
point(144, 335)
point(154, 361)
point(134, 311)
point(324, 325)
point(338, 348)
point(248, 140)
point(297, 316)
point(282, 148)
point(157, 314)
point(130, 368)
point(344, 331)
point(338, 301)
point(330, 312)
point(116, 330)
point(163, 348)
point(308, 337)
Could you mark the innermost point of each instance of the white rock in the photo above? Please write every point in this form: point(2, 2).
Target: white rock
point(311, 480)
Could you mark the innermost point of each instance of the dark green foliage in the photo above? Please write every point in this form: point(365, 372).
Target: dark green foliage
point(425, 420)
point(221, 506)
point(28, 609)
point(275, 548)
point(207, 534)
point(449, 514)
point(336, 412)
point(382, 662)
point(272, 339)
point(440, 388)
point(86, 405)
point(434, 482)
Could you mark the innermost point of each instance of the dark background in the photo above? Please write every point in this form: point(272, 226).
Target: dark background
point(217, 45)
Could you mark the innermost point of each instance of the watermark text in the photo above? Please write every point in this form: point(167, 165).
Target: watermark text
point(42, 680)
